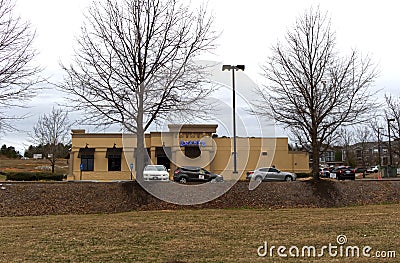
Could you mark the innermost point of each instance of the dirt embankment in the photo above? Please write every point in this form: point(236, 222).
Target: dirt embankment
point(20, 199)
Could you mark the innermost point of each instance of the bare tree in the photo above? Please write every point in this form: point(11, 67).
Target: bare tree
point(52, 131)
point(134, 64)
point(18, 75)
point(392, 111)
point(345, 138)
point(363, 136)
point(313, 90)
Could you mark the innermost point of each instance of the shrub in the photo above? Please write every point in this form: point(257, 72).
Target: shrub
point(31, 176)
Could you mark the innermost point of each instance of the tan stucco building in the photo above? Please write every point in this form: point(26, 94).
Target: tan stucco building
point(110, 156)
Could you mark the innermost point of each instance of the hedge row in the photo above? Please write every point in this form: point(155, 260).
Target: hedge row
point(33, 176)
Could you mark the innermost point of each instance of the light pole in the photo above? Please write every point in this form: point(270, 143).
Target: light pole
point(233, 68)
point(390, 149)
point(379, 147)
point(390, 143)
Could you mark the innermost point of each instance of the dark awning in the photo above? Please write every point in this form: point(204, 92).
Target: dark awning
point(114, 152)
point(85, 152)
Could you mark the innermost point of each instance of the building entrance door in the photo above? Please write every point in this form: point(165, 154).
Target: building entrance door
point(162, 156)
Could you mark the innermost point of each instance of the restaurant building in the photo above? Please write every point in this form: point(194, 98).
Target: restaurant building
point(111, 156)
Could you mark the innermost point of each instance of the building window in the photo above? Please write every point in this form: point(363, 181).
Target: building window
point(192, 152)
point(162, 155)
point(87, 162)
point(114, 158)
point(87, 158)
point(114, 164)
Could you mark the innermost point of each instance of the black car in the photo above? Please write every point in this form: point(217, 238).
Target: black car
point(195, 174)
point(344, 172)
point(324, 172)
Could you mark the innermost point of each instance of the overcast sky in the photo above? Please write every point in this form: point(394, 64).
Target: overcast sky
point(249, 28)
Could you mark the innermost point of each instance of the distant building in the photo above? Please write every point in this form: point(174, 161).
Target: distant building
point(37, 156)
point(328, 157)
point(367, 154)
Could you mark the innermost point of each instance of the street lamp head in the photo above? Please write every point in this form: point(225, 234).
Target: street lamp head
point(389, 120)
point(229, 67)
point(226, 67)
point(241, 67)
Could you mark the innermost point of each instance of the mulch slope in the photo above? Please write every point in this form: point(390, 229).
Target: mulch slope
point(33, 198)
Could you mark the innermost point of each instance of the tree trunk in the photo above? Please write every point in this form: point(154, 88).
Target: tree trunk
point(140, 151)
point(315, 160)
point(53, 152)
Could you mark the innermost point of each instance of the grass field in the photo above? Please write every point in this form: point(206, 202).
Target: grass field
point(197, 235)
point(31, 165)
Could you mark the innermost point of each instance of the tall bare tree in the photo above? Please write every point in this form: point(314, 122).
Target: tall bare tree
point(52, 131)
point(392, 111)
point(312, 90)
point(134, 64)
point(17, 72)
point(345, 139)
point(363, 136)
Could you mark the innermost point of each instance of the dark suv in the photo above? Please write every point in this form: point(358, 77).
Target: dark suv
point(195, 174)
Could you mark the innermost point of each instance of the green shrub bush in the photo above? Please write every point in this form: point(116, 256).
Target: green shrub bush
point(32, 176)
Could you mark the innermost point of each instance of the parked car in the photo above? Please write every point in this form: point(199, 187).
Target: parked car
point(343, 173)
point(186, 174)
point(272, 174)
point(324, 172)
point(373, 169)
point(155, 173)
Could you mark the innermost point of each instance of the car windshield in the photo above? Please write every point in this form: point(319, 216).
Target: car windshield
point(154, 168)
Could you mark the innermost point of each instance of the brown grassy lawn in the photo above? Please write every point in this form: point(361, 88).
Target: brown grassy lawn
point(31, 165)
point(196, 235)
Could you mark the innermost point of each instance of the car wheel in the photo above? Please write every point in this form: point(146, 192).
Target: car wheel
point(183, 180)
point(258, 179)
point(288, 178)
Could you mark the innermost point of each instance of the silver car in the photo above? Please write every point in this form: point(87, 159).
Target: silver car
point(271, 174)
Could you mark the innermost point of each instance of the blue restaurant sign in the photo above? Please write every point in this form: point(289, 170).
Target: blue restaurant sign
point(193, 143)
